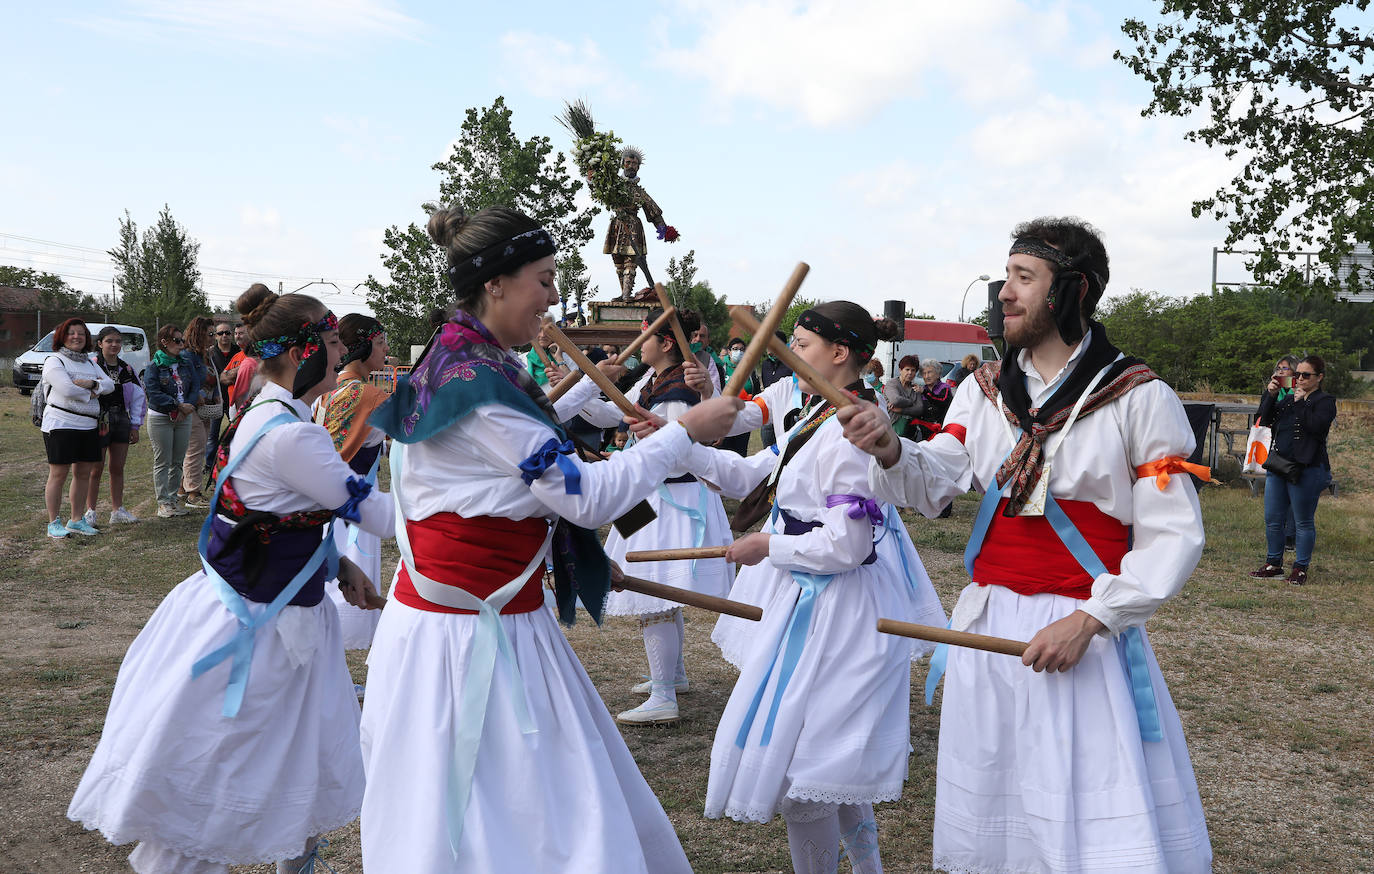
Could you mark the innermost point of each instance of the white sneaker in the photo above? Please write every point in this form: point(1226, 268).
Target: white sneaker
point(659, 714)
point(647, 687)
point(179, 507)
point(165, 511)
point(89, 518)
point(121, 515)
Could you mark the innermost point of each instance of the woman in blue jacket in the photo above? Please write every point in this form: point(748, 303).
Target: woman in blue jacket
point(172, 390)
point(1300, 422)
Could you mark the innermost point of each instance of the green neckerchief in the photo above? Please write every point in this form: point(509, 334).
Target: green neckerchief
point(162, 359)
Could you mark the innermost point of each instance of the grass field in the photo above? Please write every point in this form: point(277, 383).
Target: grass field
point(1275, 683)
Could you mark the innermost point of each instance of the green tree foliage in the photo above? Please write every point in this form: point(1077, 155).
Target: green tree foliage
point(53, 291)
point(789, 319)
point(156, 274)
point(489, 166)
point(574, 287)
point(690, 293)
point(1287, 88)
point(1228, 341)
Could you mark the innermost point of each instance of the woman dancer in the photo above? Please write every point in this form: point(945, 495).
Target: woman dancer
point(487, 747)
point(817, 726)
point(232, 734)
point(343, 412)
point(688, 514)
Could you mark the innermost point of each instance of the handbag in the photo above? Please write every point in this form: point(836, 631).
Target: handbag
point(1257, 448)
point(1287, 468)
point(210, 412)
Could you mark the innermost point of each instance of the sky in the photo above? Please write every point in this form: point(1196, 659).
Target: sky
point(890, 144)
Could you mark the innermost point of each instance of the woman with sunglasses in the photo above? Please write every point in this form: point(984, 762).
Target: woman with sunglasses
point(168, 382)
point(1300, 421)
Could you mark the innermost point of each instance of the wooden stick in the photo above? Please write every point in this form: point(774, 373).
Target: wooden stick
point(953, 638)
point(684, 346)
point(823, 387)
point(690, 598)
point(753, 353)
point(571, 380)
point(543, 355)
point(602, 381)
point(676, 554)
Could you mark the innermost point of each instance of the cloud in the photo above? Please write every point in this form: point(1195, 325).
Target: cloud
point(839, 61)
point(549, 67)
point(266, 218)
point(298, 24)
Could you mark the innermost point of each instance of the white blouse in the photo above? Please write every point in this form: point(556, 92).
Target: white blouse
point(59, 372)
point(295, 466)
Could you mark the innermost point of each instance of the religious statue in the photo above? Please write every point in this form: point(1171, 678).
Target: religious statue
point(600, 160)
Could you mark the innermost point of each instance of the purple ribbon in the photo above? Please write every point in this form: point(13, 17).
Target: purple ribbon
point(858, 506)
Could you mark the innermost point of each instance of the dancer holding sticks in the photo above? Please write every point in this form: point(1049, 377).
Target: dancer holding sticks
point(1086, 528)
point(687, 513)
point(487, 747)
point(817, 727)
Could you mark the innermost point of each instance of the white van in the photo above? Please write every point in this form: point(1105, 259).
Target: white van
point(28, 367)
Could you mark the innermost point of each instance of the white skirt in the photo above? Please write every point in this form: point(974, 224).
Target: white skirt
point(673, 529)
point(356, 624)
point(566, 798)
point(1047, 772)
point(171, 770)
point(842, 732)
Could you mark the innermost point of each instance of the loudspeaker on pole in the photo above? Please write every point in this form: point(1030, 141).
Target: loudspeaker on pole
point(995, 308)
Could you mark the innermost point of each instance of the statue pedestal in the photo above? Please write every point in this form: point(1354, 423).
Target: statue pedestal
point(621, 312)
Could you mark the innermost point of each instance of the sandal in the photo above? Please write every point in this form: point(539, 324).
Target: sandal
point(1268, 571)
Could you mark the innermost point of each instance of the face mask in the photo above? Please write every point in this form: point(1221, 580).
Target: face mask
point(736, 355)
point(872, 380)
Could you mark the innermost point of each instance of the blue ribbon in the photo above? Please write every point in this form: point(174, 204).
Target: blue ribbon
point(698, 515)
point(240, 647)
point(552, 452)
point(358, 489)
point(353, 530)
point(793, 641)
point(937, 669)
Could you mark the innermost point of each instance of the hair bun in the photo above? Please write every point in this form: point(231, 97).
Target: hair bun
point(888, 329)
point(254, 303)
point(444, 224)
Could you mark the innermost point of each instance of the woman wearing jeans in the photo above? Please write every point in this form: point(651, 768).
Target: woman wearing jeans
point(1300, 422)
point(168, 382)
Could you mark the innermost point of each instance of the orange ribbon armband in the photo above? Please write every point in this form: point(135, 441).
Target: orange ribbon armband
point(1164, 467)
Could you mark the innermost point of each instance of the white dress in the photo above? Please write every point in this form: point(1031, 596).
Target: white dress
point(702, 523)
point(170, 770)
point(567, 797)
point(841, 732)
point(1048, 772)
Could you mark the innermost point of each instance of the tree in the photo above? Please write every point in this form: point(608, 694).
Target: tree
point(53, 291)
point(488, 166)
point(1286, 87)
point(574, 285)
point(789, 319)
point(689, 293)
point(156, 274)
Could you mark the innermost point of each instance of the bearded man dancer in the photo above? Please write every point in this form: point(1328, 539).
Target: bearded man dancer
point(1084, 531)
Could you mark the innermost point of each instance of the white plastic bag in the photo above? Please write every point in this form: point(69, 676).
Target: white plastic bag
point(1257, 449)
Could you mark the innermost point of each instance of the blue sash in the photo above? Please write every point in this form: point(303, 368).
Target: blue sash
point(240, 647)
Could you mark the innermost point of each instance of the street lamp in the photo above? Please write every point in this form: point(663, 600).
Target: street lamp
point(982, 277)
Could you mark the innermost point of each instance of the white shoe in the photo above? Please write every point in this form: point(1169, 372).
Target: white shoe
point(658, 714)
point(120, 515)
point(647, 687)
point(89, 518)
point(165, 511)
point(179, 507)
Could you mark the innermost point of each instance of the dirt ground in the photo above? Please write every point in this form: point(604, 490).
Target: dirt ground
point(1273, 682)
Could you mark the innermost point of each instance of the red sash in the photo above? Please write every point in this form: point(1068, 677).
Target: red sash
point(478, 555)
point(1003, 560)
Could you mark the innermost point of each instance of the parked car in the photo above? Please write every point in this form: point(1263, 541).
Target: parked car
point(945, 342)
point(28, 367)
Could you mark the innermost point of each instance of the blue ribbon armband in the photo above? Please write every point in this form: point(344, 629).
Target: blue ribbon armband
point(546, 456)
point(358, 490)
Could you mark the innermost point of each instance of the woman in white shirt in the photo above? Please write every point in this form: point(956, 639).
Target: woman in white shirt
point(71, 417)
